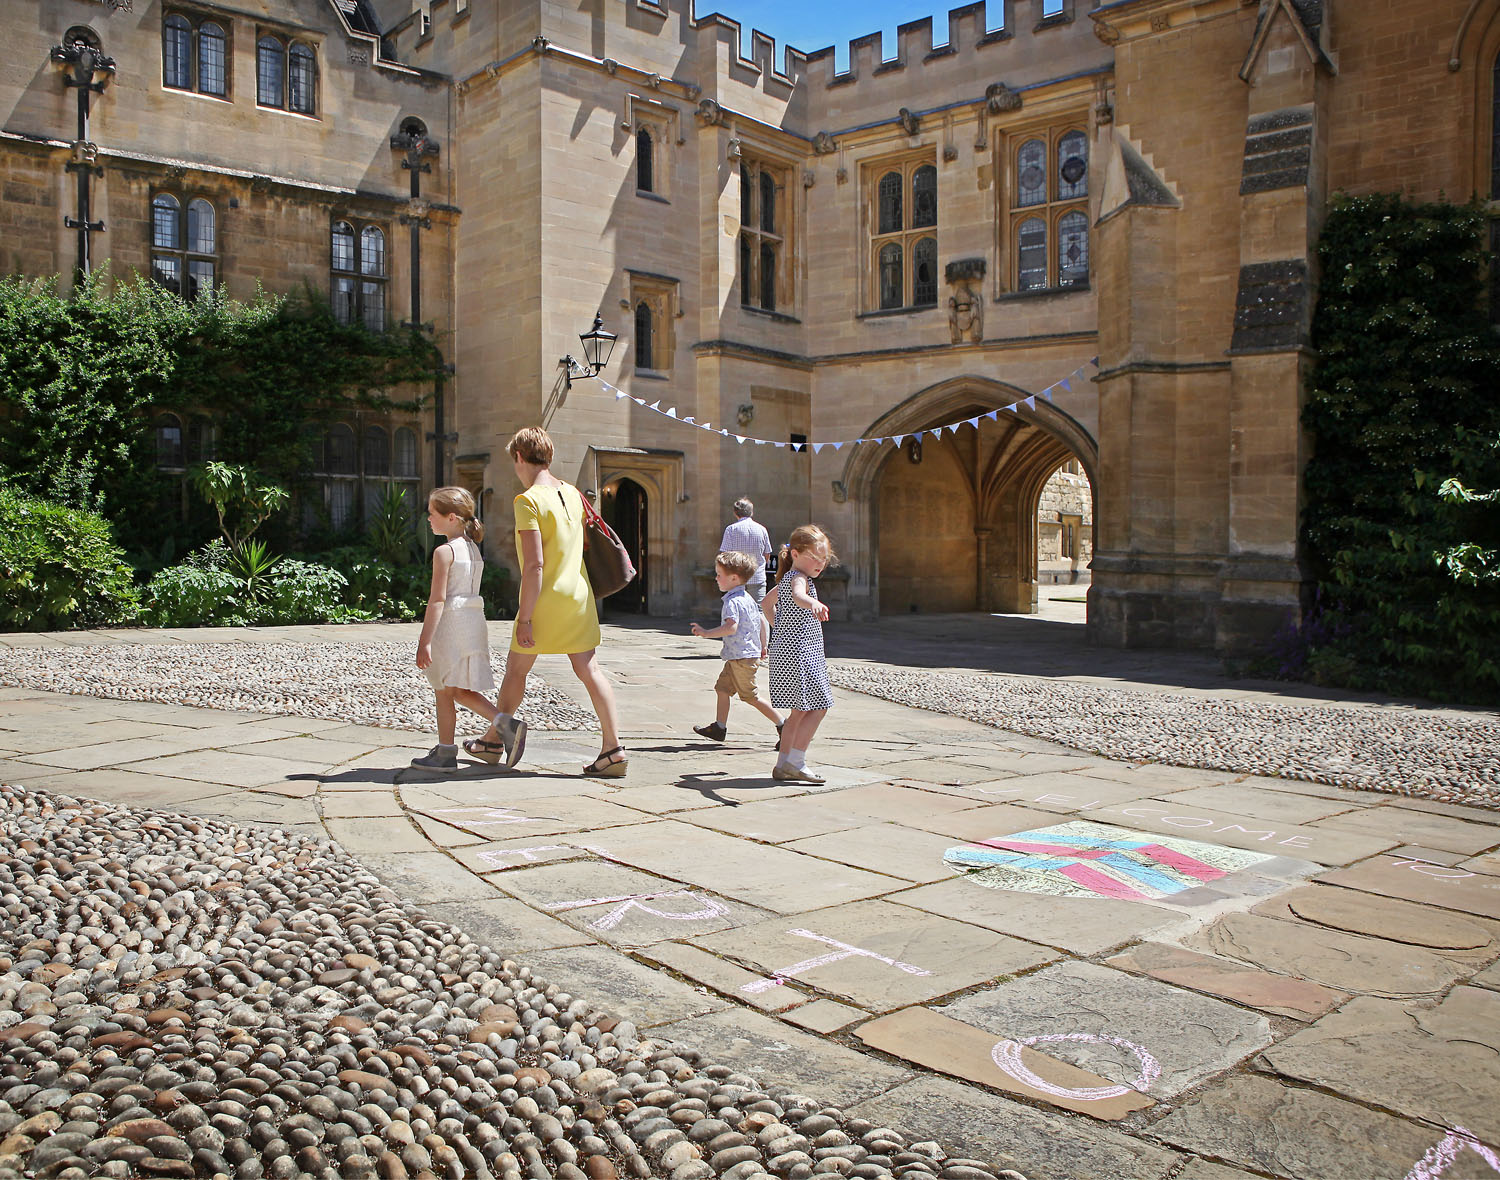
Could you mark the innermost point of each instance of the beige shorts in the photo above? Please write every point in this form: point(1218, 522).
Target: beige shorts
point(737, 678)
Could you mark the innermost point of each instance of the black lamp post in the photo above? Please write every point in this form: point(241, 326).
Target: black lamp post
point(597, 345)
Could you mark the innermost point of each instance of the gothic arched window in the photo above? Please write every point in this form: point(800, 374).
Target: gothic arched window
point(643, 332)
point(302, 78)
point(176, 52)
point(270, 72)
point(892, 283)
point(1073, 250)
point(889, 198)
point(645, 178)
point(377, 451)
point(767, 203)
point(924, 197)
point(924, 277)
point(212, 55)
point(1031, 254)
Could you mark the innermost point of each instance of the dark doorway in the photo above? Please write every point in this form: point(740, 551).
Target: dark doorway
point(624, 509)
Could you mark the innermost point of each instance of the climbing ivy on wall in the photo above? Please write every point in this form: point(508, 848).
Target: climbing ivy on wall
point(82, 373)
point(1402, 525)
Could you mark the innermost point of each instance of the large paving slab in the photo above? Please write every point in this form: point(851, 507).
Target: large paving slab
point(764, 1047)
point(1041, 1144)
point(217, 766)
point(618, 984)
point(1414, 880)
point(758, 874)
point(507, 926)
point(1281, 995)
point(1279, 1130)
point(907, 805)
point(1347, 962)
point(776, 821)
point(897, 851)
point(1059, 791)
point(621, 905)
point(1406, 825)
point(1386, 917)
point(1189, 1037)
point(423, 877)
point(1083, 925)
point(542, 816)
point(1441, 1064)
point(876, 955)
point(939, 1042)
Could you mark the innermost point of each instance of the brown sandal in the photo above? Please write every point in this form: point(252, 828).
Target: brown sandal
point(485, 751)
point(602, 767)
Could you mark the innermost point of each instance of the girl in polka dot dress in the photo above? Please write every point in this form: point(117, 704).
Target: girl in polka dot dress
point(799, 673)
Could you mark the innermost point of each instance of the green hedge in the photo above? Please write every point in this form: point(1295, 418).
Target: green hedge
point(59, 568)
point(1401, 527)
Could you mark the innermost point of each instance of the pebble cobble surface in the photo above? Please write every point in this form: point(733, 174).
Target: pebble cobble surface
point(362, 683)
point(1435, 755)
point(186, 997)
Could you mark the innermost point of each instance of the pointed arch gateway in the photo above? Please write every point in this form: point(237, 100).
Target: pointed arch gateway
point(952, 527)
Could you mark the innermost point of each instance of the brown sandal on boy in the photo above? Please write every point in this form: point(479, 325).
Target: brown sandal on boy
point(602, 767)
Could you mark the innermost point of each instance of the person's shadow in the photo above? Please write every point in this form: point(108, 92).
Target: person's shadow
point(710, 790)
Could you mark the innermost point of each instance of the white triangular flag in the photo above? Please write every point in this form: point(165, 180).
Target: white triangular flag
point(816, 447)
point(689, 418)
point(671, 413)
point(619, 393)
point(895, 438)
point(837, 445)
point(974, 422)
point(1011, 408)
point(1031, 403)
point(993, 415)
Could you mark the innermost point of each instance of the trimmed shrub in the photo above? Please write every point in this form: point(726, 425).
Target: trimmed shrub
point(59, 567)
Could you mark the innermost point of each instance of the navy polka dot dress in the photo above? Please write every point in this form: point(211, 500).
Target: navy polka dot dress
point(799, 672)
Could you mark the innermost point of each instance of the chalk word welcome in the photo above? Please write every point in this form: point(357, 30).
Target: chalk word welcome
point(1440, 1156)
point(1007, 1055)
point(626, 902)
point(495, 817)
point(844, 951)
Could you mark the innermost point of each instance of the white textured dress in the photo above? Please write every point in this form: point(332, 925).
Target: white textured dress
point(461, 643)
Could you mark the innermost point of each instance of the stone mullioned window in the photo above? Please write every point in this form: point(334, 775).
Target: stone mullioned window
point(901, 208)
point(184, 244)
point(357, 262)
point(765, 235)
point(1046, 207)
point(195, 54)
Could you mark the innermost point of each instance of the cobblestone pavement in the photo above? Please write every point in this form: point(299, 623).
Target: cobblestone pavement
point(1028, 956)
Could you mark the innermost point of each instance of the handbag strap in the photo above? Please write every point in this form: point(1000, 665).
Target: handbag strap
point(591, 514)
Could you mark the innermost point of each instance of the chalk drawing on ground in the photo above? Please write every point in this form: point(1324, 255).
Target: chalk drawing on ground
point(625, 902)
point(1082, 859)
point(1007, 1055)
point(843, 951)
point(1441, 1156)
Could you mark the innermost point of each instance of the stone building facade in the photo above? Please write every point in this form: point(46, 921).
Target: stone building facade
point(797, 254)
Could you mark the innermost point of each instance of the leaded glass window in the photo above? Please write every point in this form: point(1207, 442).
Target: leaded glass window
point(768, 276)
point(270, 72)
point(889, 196)
point(1031, 173)
point(1073, 166)
point(924, 278)
point(176, 52)
point(892, 282)
point(302, 77)
point(377, 451)
point(924, 197)
point(764, 226)
point(211, 59)
point(1031, 255)
point(1073, 249)
point(643, 350)
point(767, 203)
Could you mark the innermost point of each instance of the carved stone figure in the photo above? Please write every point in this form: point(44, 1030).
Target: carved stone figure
point(910, 123)
point(966, 304)
point(710, 113)
point(824, 144)
point(999, 97)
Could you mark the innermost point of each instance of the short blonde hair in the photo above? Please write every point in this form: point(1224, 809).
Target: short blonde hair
point(741, 565)
point(531, 445)
point(458, 502)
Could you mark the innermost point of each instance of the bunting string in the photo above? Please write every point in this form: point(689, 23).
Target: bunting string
point(1066, 383)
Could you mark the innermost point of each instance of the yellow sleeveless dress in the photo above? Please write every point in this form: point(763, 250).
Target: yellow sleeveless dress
point(565, 619)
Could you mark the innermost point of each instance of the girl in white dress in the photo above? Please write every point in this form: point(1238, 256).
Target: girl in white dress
point(454, 649)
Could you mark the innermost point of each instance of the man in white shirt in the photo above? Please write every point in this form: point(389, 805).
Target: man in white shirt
point(746, 535)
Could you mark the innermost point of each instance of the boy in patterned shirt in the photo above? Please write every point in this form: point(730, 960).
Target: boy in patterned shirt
point(742, 628)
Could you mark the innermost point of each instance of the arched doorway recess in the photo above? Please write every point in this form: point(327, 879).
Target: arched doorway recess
point(625, 509)
point(955, 527)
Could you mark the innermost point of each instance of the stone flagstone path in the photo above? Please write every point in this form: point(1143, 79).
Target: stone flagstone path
point(1133, 1001)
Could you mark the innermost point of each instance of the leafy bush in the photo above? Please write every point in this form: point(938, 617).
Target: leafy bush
point(59, 567)
point(211, 589)
point(376, 586)
point(1405, 422)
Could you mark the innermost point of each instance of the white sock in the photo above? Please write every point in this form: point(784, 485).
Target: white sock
point(798, 758)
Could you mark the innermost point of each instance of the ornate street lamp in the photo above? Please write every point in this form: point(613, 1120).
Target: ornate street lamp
point(597, 345)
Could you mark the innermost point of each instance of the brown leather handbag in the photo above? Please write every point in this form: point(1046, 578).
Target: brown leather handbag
point(605, 558)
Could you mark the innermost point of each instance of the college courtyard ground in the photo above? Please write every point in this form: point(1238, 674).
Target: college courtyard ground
point(1060, 911)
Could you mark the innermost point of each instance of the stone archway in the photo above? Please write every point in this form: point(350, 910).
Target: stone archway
point(963, 535)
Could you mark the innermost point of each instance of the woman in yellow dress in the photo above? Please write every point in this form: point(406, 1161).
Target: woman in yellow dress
point(556, 615)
